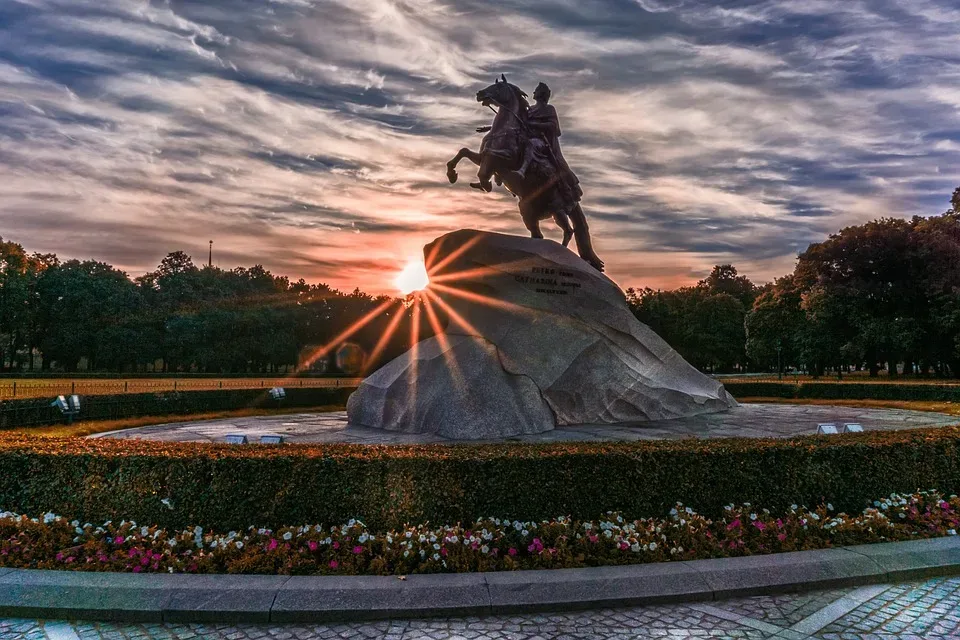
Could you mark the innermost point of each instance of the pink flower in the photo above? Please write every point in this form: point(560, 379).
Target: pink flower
point(759, 525)
point(781, 537)
point(118, 540)
point(536, 546)
point(312, 545)
point(137, 569)
point(592, 538)
point(336, 545)
point(733, 525)
point(779, 523)
point(358, 549)
point(334, 564)
point(272, 544)
point(443, 552)
point(512, 551)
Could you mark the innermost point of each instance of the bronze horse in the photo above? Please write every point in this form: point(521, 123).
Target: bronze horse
point(542, 190)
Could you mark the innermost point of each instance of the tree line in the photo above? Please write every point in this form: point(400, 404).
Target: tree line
point(881, 296)
point(57, 315)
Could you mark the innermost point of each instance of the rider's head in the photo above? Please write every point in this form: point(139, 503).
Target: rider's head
point(542, 92)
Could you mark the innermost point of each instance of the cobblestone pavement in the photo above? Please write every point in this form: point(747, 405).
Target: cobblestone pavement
point(747, 420)
point(908, 611)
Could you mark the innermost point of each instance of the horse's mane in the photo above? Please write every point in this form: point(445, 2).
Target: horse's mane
point(521, 98)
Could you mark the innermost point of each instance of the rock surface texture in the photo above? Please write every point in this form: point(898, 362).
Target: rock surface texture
point(536, 338)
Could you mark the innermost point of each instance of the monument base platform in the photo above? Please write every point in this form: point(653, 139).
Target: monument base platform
point(536, 338)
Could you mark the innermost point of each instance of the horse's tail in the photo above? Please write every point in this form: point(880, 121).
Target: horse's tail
point(581, 232)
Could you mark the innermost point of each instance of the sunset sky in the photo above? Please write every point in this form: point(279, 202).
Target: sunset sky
point(310, 136)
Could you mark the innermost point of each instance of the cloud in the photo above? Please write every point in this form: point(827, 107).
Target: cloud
point(310, 136)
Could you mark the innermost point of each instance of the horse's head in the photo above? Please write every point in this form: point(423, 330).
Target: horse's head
point(503, 94)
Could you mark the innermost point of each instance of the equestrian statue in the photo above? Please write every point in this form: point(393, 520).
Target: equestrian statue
point(521, 150)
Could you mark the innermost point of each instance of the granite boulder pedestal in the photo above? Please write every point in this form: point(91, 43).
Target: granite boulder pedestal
point(535, 338)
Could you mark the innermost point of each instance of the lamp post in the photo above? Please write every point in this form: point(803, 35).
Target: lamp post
point(779, 367)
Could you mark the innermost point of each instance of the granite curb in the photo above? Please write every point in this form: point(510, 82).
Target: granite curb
point(29, 593)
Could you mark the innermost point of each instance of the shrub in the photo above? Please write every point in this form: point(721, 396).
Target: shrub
point(488, 544)
point(35, 412)
point(230, 487)
point(846, 391)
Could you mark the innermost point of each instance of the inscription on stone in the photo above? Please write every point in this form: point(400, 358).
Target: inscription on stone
point(555, 282)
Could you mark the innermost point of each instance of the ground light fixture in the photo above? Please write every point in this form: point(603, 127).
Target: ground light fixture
point(236, 438)
point(278, 393)
point(826, 428)
point(69, 407)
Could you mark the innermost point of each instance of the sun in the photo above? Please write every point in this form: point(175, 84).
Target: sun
point(413, 277)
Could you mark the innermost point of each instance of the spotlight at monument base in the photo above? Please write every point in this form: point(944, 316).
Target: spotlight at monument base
point(413, 277)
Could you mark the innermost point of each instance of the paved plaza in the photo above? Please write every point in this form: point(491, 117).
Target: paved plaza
point(747, 420)
point(926, 609)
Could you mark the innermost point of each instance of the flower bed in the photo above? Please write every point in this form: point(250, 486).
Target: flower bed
point(491, 544)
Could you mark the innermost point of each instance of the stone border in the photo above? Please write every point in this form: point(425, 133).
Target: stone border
point(130, 597)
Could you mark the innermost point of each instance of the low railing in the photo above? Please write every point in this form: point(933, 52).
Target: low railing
point(29, 388)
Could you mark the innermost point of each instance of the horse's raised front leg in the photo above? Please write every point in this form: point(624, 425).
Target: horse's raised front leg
point(487, 168)
point(472, 156)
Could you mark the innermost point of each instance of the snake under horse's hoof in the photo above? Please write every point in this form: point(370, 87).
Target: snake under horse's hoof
point(451, 174)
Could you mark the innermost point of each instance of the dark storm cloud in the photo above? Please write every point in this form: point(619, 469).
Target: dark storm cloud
point(310, 135)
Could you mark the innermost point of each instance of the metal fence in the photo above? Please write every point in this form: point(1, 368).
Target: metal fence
point(853, 378)
point(38, 388)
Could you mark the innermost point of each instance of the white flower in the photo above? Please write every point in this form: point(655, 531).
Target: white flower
point(287, 535)
point(408, 534)
point(144, 531)
point(524, 532)
point(363, 538)
point(484, 549)
point(951, 532)
point(436, 556)
point(48, 518)
point(436, 546)
point(653, 546)
point(239, 544)
point(406, 553)
point(166, 502)
point(829, 507)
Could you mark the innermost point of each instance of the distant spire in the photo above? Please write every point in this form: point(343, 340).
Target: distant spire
point(210, 257)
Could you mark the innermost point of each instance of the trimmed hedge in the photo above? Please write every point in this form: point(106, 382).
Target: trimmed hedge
point(845, 391)
point(232, 487)
point(37, 411)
